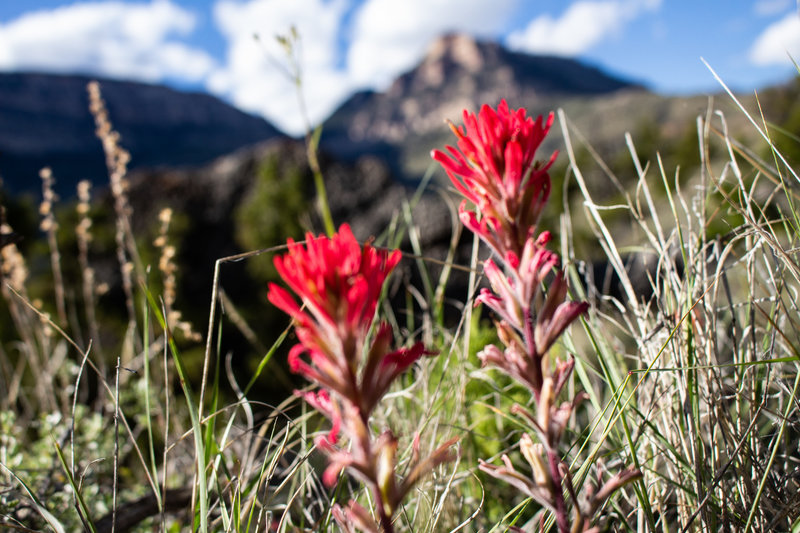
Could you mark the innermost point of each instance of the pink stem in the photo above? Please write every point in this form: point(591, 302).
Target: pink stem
point(530, 346)
point(386, 520)
point(562, 520)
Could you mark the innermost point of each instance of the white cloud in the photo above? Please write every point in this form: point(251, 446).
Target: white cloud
point(390, 36)
point(255, 74)
point(381, 40)
point(581, 26)
point(115, 39)
point(780, 38)
point(771, 7)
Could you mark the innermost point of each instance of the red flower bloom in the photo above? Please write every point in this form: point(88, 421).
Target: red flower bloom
point(337, 280)
point(339, 283)
point(494, 167)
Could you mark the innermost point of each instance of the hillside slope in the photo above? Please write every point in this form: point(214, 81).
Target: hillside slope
point(45, 121)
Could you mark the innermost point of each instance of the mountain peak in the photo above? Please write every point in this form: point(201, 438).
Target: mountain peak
point(458, 72)
point(455, 48)
point(465, 68)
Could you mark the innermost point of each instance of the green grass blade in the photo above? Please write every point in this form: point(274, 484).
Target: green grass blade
point(82, 507)
point(51, 520)
point(147, 409)
point(784, 420)
point(197, 428)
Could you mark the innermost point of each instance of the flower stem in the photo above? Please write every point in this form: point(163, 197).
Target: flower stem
point(386, 520)
point(562, 519)
point(530, 346)
point(312, 140)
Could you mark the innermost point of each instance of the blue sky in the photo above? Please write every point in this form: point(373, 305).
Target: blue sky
point(354, 44)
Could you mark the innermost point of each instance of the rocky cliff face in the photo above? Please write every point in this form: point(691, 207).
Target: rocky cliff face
point(45, 121)
point(457, 73)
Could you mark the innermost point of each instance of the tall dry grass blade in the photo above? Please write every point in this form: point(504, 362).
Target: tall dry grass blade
point(116, 448)
point(81, 368)
point(196, 422)
point(750, 118)
point(148, 411)
point(212, 313)
point(608, 242)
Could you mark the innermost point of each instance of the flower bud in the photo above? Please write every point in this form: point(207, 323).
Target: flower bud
point(385, 463)
point(546, 398)
point(533, 453)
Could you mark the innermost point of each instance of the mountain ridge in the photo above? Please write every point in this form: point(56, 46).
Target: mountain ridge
point(44, 118)
point(45, 121)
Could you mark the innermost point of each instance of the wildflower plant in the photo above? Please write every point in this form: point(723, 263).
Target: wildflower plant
point(494, 167)
point(339, 283)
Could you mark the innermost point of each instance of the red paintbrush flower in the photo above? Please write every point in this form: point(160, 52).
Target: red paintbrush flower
point(337, 280)
point(339, 284)
point(495, 168)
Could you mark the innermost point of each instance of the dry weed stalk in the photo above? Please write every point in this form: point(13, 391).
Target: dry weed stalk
point(50, 227)
point(168, 268)
point(117, 159)
point(39, 349)
point(15, 274)
point(90, 290)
